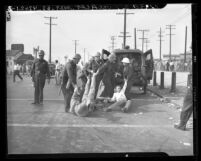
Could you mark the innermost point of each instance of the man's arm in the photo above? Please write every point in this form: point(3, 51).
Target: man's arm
point(87, 87)
point(125, 85)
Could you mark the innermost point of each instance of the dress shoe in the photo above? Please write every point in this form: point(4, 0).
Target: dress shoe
point(180, 127)
point(34, 103)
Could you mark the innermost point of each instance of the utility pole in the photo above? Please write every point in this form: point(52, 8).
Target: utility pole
point(124, 33)
point(146, 42)
point(50, 35)
point(113, 43)
point(170, 28)
point(84, 55)
point(143, 38)
point(160, 36)
point(135, 40)
point(185, 45)
point(75, 45)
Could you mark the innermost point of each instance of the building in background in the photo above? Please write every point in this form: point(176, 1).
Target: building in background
point(16, 54)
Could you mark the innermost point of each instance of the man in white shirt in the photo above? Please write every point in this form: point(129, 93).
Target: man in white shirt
point(16, 72)
point(119, 99)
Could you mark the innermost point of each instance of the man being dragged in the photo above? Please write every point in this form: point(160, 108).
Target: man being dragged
point(83, 107)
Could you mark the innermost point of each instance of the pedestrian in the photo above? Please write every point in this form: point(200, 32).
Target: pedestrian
point(39, 73)
point(57, 72)
point(187, 108)
point(69, 82)
point(83, 106)
point(167, 66)
point(16, 72)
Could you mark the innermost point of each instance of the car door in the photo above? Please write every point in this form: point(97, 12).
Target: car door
point(149, 64)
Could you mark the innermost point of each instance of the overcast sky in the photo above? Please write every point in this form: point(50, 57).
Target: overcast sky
point(94, 28)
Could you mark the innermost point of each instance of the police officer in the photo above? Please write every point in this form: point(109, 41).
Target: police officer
point(40, 70)
point(107, 73)
point(69, 82)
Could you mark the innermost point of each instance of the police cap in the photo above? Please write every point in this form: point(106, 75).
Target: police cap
point(105, 52)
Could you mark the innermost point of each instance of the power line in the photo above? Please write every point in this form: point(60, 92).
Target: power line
point(143, 38)
point(50, 39)
point(146, 42)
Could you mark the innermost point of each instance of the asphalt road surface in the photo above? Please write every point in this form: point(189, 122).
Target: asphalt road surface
point(147, 127)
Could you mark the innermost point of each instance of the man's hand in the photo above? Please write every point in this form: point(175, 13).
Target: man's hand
point(48, 80)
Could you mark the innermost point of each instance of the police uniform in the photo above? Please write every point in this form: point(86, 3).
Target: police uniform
point(68, 81)
point(40, 70)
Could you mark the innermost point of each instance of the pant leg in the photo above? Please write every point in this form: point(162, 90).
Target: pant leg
point(41, 87)
point(127, 91)
point(128, 105)
point(18, 74)
point(86, 90)
point(98, 80)
point(36, 92)
point(186, 110)
point(117, 105)
point(92, 89)
point(14, 74)
point(67, 93)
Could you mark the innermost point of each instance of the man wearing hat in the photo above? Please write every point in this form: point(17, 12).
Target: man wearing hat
point(107, 73)
point(128, 73)
point(69, 82)
point(83, 107)
point(40, 70)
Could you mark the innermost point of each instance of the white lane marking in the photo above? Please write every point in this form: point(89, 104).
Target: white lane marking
point(92, 125)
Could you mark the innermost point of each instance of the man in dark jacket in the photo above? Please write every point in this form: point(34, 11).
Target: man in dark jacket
point(69, 82)
point(107, 74)
point(40, 70)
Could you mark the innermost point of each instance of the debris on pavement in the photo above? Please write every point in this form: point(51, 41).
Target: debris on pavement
point(170, 118)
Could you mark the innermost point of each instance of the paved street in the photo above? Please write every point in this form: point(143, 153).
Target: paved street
point(147, 127)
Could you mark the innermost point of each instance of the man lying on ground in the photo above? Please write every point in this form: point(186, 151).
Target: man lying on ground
point(119, 99)
point(85, 106)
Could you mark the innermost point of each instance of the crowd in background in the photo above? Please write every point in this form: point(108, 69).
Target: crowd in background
point(173, 65)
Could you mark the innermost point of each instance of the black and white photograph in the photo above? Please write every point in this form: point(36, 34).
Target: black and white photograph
point(109, 80)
